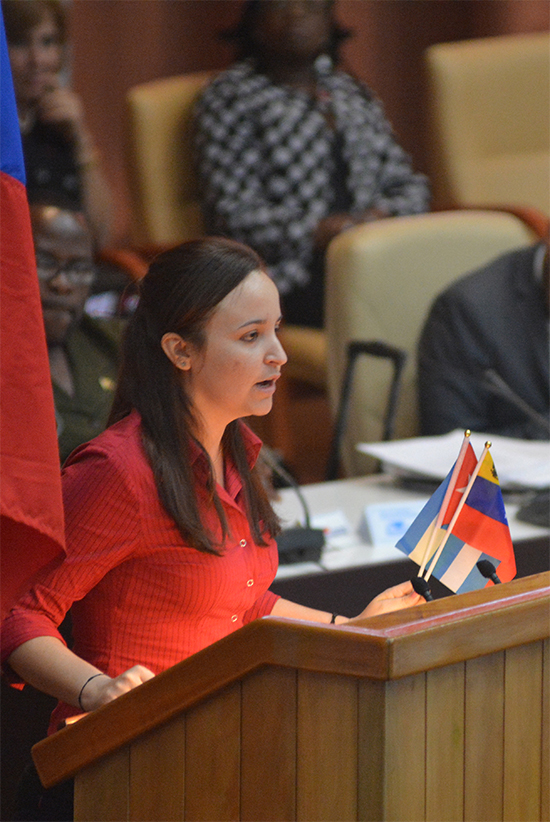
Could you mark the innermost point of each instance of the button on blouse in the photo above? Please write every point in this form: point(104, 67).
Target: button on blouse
point(140, 594)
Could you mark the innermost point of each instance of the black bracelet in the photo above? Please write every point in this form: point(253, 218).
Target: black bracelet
point(82, 689)
point(333, 619)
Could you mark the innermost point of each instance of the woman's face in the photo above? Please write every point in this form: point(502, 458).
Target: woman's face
point(36, 60)
point(235, 371)
point(298, 29)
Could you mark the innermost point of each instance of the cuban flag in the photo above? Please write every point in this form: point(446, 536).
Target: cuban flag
point(480, 531)
point(31, 508)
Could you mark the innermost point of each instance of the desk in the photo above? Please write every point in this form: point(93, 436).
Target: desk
point(352, 570)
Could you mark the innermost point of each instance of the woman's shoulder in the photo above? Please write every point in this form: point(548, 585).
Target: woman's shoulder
point(236, 82)
point(342, 81)
point(108, 486)
point(118, 448)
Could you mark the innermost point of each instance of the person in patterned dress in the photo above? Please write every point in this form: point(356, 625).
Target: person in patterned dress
point(291, 150)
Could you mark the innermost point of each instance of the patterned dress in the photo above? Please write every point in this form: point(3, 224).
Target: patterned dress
point(271, 167)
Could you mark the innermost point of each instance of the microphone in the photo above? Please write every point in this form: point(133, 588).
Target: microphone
point(500, 387)
point(488, 570)
point(421, 587)
point(302, 543)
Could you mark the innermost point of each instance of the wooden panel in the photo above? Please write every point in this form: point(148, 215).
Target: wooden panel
point(475, 630)
point(327, 747)
point(545, 771)
point(268, 767)
point(396, 645)
point(101, 792)
point(405, 750)
point(445, 743)
point(371, 750)
point(484, 739)
point(212, 758)
point(157, 774)
point(522, 733)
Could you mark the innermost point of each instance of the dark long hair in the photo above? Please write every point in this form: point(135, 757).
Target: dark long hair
point(242, 34)
point(178, 294)
point(20, 16)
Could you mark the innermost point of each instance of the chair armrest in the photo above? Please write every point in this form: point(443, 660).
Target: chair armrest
point(536, 220)
point(131, 262)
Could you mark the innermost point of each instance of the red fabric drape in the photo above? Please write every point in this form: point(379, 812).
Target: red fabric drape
point(31, 524)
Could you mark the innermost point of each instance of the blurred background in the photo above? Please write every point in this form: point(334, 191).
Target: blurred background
point(119, 43)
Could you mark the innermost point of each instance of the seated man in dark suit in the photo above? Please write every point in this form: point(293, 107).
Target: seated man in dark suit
point(83, 351)
point(483, 358)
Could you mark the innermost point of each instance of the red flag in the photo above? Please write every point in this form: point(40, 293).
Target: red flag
point(31, 508)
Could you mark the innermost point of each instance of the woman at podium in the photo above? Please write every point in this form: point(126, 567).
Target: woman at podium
point(169, 530)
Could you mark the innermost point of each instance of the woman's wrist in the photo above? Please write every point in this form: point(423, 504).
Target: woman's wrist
point(338, 619)
point(85, 697)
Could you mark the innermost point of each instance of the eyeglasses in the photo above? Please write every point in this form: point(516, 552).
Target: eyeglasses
point(77, 272)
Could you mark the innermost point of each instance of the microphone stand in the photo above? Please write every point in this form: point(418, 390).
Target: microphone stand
point(488, 570)
point(500, 388)
point(301, 543)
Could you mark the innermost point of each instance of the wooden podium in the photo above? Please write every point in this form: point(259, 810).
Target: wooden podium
point(440, 712)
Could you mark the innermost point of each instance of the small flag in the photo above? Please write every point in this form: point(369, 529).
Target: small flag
point(480, 532)
point(31, 505)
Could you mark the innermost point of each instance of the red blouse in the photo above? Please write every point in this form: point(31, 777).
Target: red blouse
point(140, 594)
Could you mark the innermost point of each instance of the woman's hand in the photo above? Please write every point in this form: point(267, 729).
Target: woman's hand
point(392, 599)
point(101, 688)
point(61, 107)
point(47, 664)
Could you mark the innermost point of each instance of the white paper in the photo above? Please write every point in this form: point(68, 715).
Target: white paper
point(333, 523)
point(338, 531)
point(519, 463)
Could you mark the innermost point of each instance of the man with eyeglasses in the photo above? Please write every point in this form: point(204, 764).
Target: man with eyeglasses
point(83, 351)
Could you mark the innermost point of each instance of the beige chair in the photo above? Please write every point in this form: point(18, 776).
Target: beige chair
point(490, 122)
point(381, 280)
point(165, 204)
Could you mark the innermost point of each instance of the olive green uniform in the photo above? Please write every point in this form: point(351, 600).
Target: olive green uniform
point(93, 350)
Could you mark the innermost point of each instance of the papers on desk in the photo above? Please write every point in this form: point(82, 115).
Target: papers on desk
point(381, 524)
point(520, 463)
point(346, 546)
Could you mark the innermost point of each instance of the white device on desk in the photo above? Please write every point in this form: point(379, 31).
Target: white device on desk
point(339, 507)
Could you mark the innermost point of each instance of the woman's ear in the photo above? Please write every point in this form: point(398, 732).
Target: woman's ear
point(177, 350)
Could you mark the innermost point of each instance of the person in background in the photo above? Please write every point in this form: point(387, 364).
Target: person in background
point(169, 531)
point(59, 150)
point(83, 351)
point(483, 357)
point(291, 150)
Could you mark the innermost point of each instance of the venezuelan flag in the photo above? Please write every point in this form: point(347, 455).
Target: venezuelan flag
point(480, 532)
point(31, 505)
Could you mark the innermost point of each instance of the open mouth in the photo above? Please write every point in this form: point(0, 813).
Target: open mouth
point(267, 385)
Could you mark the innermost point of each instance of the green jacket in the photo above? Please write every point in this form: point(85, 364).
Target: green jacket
point(93, 349)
